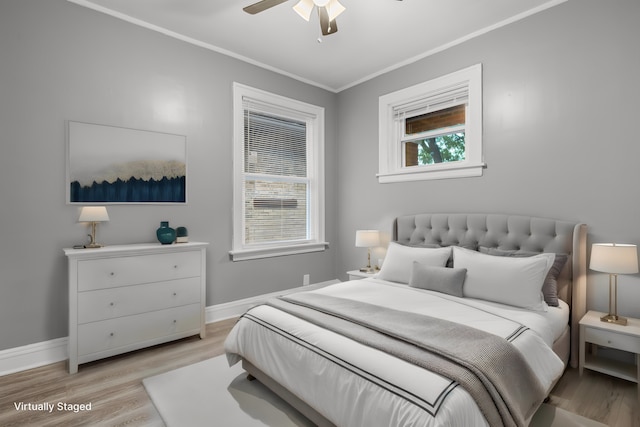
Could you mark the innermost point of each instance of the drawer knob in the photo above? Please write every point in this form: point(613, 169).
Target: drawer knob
point(111, 334)
point(175, 321)
point(175, 266)
point(112, 274)
point(175, 294)
point(112, 304)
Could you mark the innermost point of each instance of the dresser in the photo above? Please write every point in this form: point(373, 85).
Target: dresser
point(127, 297)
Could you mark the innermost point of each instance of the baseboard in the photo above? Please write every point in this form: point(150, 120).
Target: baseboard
point(33, 355)
point(218, 312)
point(44, 353)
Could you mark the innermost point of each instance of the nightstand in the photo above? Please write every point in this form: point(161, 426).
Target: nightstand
point(624, 338)
point(357, 274)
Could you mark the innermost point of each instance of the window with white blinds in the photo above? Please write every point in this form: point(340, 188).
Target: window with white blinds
point(278, 191)
point(432, 130)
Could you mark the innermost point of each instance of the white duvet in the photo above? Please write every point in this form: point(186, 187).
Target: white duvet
point(354, 385)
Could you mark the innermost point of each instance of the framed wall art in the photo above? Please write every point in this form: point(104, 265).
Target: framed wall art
point(113, 165)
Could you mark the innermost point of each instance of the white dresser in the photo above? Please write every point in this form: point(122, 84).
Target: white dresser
point(126, 297)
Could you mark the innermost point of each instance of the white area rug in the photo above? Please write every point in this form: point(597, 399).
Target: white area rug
point(210, 393)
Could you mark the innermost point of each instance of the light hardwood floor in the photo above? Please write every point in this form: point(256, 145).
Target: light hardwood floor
point(113, 386)
point(118, 398)
point(611, 401)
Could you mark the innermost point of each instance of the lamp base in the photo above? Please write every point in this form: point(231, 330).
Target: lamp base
point(612, 318)
point(93, 246)
point(92, 238)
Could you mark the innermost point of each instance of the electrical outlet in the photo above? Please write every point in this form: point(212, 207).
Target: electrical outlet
point(305, 280)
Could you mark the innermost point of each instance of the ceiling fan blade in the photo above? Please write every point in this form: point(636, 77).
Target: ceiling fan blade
point(328, 27)
point(262, 6)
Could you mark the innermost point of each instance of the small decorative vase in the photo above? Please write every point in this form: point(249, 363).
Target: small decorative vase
point(182, 235)
point(166, 235)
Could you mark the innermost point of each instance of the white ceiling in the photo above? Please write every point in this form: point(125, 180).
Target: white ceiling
point(374, 36)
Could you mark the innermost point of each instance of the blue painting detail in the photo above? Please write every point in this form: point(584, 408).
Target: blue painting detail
point(165, 190)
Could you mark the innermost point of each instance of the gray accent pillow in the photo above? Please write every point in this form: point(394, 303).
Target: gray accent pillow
point(440, 279)
point(550, 286)
point(396, 266)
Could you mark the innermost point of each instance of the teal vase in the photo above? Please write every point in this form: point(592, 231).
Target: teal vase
point(166, 235)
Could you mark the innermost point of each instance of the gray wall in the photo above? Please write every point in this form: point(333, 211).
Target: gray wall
point(59, 62)
point(560, 107)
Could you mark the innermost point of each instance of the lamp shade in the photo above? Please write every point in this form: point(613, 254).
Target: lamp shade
point(304, 9)
point(614, 258)
point(367, 238)
point(334, 8)
point(93, 214)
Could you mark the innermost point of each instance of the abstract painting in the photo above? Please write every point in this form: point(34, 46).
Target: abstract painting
point(112, 165)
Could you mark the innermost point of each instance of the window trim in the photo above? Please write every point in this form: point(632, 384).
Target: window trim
point(390, 144)
point(314, 116)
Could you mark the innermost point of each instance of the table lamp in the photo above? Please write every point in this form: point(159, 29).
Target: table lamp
point(614, 259)
point(367, 239)
point(94, 215)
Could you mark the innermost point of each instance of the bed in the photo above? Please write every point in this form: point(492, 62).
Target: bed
point(434, 339)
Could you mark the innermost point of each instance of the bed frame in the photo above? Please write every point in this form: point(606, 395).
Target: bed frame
point(506, 232)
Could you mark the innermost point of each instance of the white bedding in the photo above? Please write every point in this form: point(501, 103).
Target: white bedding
point(355, 385)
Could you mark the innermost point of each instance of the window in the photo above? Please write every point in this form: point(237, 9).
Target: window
point(278, 175)
point(432, 130)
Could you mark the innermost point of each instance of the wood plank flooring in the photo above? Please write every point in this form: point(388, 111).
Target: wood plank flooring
point(118, 398)
point(611, 401)
point(113, 386)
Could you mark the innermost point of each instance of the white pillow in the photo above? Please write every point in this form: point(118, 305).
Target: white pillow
point(398, 263)
point(507, 280)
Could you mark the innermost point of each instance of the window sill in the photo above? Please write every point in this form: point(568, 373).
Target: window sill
point(248, 254)
point(465, 171)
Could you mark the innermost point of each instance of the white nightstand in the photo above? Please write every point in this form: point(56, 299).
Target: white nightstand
point(625, 338)
point(357, 274)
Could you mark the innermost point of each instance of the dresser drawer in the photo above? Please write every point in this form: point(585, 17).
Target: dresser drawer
point(127, 270)
point(124, 301)
point(123, 331)
point(612, 339)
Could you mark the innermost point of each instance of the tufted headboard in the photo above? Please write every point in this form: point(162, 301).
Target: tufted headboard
point(509, 232)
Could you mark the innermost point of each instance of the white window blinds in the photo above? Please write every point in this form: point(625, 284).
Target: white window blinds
point(437, 100)
point(276, 182)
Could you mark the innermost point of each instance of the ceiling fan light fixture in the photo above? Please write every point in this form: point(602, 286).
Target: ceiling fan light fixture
point(304, 9)
point(334, 8)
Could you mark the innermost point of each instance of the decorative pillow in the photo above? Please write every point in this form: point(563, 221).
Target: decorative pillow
point(550, 286)
point(398, 263)
point(514, 281)
point(441, 279)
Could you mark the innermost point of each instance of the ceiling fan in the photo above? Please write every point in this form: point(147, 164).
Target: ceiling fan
point(328, 11)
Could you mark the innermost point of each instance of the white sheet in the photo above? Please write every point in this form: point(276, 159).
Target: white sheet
point(355, 385)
